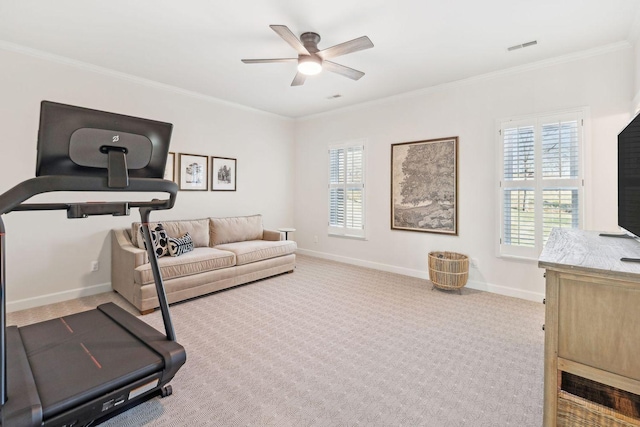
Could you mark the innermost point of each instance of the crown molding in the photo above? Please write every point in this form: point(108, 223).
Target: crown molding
point(416, 93)
point(614, 47)
point(16, 48)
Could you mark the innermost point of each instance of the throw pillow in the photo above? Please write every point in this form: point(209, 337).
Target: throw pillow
point(159, 238)
point(181, 245)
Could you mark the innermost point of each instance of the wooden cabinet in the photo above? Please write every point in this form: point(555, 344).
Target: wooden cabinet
point(592, 330)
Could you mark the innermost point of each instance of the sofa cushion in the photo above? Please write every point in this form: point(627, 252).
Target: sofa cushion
point(181, 245)
point(197, 261)
point(235, 229)
point(257, 250)
point(198, 229)
point(158, 237)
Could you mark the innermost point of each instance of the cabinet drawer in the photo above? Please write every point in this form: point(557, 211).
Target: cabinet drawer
point(599, 325)
point(575, 411)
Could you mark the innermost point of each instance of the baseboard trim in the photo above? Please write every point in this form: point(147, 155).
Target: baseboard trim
point(505, 290)
point(473, 284)
point(38, 301)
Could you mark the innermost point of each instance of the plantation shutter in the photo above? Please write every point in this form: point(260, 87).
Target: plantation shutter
point(519, 185)
point(541, 180)
point(336, 188)
point(561, 177)
point(346, 190)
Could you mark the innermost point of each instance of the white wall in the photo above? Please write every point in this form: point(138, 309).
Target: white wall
point(48, 256)
point(469, 109)
point(635, 104)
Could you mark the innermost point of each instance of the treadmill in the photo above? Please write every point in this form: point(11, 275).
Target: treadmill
point(83, 369)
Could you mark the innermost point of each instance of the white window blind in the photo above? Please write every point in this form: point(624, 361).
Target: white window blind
point(346, 190)
point(541, 180)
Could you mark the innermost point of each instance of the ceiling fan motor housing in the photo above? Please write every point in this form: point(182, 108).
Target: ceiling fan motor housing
point(310, 41)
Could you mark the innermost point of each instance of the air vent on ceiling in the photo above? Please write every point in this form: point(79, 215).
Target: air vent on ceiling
point(520, 46)
point(337, 95)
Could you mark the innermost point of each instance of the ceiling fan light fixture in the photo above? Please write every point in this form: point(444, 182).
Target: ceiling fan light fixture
point(312, 60)
point(309, 65)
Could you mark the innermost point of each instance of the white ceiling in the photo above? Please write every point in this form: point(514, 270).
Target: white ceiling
point(196, 45)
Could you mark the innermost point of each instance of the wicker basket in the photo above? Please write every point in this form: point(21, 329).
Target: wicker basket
point(448, 270)
point(573, 411)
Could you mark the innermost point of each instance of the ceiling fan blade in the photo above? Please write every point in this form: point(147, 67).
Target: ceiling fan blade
point(342, 70)
point(351, 46)
point(263, 61)
point(284, 32)
point(298, 80)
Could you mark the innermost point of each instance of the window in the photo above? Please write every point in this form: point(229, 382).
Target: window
point(346, 190)
point(541, 182)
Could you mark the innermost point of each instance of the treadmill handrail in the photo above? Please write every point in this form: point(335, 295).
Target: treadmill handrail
point(14, 197)
point(157, 275)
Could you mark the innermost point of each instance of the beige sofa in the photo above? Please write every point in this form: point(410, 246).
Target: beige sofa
point(226, 252)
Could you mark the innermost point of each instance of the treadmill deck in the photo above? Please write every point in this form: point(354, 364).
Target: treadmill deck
point(79, 357)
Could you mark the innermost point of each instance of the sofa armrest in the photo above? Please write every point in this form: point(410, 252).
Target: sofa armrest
point(271, 235)
point(125, 257)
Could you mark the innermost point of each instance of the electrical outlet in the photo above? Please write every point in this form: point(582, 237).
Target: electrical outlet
point(95, 266)
point(315, 239)
point(474, 262)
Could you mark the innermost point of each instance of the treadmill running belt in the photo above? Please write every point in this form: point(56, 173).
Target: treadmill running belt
point(79, 357)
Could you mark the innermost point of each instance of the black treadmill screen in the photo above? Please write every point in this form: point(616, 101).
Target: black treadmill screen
point(76, 141)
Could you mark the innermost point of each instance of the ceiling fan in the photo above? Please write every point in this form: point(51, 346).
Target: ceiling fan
point(310, 59)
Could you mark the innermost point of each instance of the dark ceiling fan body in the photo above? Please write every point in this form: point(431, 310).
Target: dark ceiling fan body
point(310, 59)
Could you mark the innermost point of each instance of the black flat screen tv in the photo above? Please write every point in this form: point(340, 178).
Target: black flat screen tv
point(76, 141)
point(629, 178)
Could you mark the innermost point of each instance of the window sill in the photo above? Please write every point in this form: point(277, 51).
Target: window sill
point(347, 236)
point(518, 258)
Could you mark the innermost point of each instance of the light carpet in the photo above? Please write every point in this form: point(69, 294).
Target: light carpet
point(338, 345)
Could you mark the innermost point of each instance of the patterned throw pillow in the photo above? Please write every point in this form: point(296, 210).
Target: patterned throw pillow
point(180, 245)
point(159, 238)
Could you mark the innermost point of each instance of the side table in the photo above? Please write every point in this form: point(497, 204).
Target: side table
point(286, 231)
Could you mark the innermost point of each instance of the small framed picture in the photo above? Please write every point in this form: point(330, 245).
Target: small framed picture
point(170, 168)
point(194, 172)
point(223, 174)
